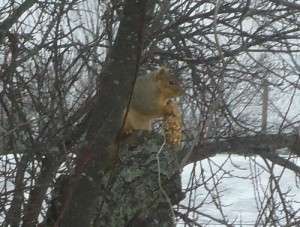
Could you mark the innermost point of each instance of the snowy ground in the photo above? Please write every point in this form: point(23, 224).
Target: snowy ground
point(238, 188)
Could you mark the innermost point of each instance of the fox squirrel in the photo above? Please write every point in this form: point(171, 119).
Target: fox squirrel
point(150, 96)
point(151, 100)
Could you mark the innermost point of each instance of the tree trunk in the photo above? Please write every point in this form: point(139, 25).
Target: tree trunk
point(136, 197)
point(114, 89)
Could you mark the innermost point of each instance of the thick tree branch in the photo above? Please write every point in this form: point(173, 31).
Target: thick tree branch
point(13, 18)
point(51, 163)
point(114, 90)
point(276, 159)
point(13, 217)
point(263, 145)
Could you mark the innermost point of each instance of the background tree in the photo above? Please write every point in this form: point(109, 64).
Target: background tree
point(67, 70)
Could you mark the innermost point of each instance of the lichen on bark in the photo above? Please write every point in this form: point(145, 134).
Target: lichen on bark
point(135, 198)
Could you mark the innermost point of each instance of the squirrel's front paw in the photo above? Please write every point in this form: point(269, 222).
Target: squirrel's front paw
point(128, 131)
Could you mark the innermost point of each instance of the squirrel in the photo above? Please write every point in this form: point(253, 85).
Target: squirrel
point(149, 99)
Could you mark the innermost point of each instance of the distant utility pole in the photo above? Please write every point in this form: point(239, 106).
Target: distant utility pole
point(264, 119)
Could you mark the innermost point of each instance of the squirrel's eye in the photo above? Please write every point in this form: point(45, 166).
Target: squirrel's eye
point(171, 82)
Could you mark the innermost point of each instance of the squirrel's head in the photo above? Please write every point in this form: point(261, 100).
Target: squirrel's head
point(168, 85)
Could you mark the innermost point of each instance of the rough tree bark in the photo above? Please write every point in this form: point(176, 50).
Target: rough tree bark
point(136, 198)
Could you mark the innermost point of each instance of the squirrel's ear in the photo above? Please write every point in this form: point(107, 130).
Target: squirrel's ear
point(160, 72)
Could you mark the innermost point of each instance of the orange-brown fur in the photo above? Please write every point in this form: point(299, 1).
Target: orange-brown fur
point(150, 95)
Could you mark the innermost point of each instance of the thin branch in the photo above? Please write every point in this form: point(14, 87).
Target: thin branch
point(159, 181)
point(290, 5)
